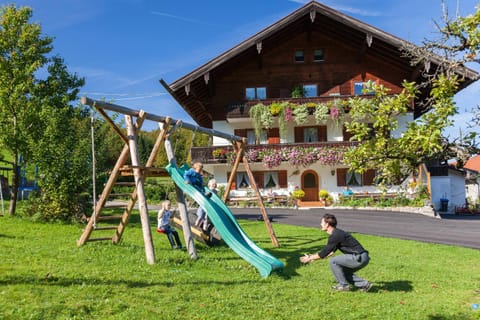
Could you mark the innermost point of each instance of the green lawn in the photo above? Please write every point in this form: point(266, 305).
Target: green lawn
point(44, 275)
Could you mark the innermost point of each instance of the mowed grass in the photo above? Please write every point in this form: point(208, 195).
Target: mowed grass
point(44, 275)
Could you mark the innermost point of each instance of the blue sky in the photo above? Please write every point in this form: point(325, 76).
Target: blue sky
point(123, 47)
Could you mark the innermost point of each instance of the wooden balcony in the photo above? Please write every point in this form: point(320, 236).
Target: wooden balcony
point(242, 109)
point(206, 154)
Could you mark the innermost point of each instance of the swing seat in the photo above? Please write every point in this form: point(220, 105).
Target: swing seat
point(159, 230)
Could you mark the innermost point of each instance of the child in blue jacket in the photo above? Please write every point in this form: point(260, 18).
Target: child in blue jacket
point(194, 177)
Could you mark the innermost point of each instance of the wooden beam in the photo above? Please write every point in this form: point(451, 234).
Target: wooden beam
point(112, 124)
point(157, 118)
point(238, 147)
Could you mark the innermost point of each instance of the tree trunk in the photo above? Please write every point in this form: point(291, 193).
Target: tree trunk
point(15, 183)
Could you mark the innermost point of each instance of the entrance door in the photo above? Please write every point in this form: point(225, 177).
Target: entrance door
point(310, 185)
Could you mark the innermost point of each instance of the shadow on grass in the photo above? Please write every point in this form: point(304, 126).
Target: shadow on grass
point(399, 285)
point(51, 280)
point(290, 251)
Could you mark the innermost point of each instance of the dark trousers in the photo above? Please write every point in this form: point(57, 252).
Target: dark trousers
point(172, 236)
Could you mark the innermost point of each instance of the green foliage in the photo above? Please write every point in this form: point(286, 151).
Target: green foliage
point(321, 113)
point(298, 92)
point(261, 117)
point(36, 120)
point(373, 120)
point(301, 114)
point(41, 264)
point(401, 200)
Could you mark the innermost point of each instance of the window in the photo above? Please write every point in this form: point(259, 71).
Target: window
point(263, 179)
point(345, 177)
point(354, 179)
point(318, 55)
point(360, 88)
point(270, 179)
point(299, 56)
point(310, 134)
point(256, 93)
point(310, 90)
point(252, 139)
point(242, 180)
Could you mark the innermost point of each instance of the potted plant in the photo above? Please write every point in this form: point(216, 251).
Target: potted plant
point(261, 117)
point(298, 92)
point(297, 195)
point(325, 197)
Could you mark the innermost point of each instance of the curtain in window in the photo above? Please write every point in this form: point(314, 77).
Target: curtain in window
point(251, 139)
point(264, 137)
point(270, 179)
point(354, 179)
point(242, 180)
point(310, 134)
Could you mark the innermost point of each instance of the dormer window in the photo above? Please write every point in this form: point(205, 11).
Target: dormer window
point(299, 56)
point(259, 93)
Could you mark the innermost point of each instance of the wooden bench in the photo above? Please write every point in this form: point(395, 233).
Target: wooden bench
point(236, 201)
point(373, 196)
point(277, 199)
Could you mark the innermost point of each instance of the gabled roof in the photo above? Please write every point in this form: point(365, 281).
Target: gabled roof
point(345, 27)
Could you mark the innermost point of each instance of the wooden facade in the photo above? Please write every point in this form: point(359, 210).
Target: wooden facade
point(353, 51)
point(314, 46)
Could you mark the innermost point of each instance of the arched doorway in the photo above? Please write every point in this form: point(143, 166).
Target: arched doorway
point(310, 185)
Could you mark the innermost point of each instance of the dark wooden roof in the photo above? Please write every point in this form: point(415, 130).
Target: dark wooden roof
point(192, 91)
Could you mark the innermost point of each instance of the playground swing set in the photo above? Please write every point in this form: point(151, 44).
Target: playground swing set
point(220, 215)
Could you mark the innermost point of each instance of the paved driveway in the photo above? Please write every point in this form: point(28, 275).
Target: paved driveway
point(451, 229)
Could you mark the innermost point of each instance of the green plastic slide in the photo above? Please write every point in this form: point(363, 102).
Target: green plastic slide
point(227, 226)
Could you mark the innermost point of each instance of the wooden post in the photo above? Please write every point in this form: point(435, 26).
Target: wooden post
point(238, 148)
point(182, 207)
point(139, 185)
point(253, 184)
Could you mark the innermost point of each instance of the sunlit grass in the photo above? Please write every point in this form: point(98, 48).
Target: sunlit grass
point(44, 275)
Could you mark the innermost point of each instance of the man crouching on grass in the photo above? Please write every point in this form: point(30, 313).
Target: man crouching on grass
point(343, 266)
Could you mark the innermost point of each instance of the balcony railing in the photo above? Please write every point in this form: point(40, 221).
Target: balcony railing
point(218, 154)
point(242, 109)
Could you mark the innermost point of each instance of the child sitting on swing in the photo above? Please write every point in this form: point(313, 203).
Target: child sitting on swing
point(194, 177)
point(164, 216)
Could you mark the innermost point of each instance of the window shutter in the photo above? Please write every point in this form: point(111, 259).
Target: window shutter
point(258, 176)
point(299, 134)
point(322, 133)
point(282, 179)
point(342, 177)
point(368, 177)
point(273, 136)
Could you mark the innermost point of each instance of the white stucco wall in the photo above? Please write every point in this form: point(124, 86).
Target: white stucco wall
point(327, 181)
point(452, 187)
